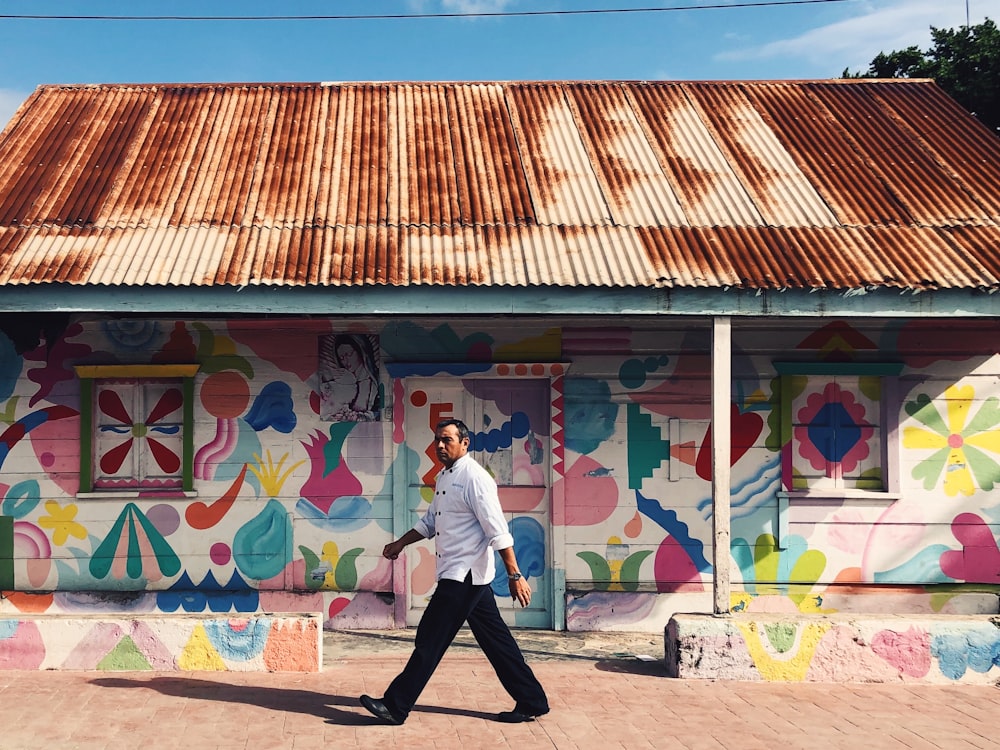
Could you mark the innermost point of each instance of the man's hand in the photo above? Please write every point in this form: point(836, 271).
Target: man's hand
point(392, 549)
point(520, 590)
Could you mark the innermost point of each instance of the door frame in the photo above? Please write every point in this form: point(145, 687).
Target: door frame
point(555, 373)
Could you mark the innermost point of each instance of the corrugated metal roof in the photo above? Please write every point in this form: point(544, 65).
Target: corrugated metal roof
point(754, 185)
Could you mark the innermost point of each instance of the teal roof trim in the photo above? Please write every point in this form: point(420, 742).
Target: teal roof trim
point(450, 301)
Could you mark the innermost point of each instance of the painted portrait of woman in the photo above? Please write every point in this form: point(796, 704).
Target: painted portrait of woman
point(349, 378)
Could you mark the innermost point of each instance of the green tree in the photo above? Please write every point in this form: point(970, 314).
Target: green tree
point(965, 62)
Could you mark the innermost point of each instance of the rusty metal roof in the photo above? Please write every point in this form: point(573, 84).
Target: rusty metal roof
point(752, 185)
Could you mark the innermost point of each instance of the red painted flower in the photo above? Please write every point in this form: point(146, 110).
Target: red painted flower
point(111, 405)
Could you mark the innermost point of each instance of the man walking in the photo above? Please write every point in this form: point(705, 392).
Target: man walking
point(467, 524)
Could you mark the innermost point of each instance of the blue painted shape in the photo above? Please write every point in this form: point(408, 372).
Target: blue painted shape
point(833, 432)
point(273, 407)
point(668, 521)
point(529, 548)
point(957, 650)
point(260, 548)
point(925, 566)
point(236, 595)
point(588, 413)
point(241, 643)
point(493, 440)
point(347, 513)
point(21, 499)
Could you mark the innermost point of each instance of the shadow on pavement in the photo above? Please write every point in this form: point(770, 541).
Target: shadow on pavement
point(278, 699)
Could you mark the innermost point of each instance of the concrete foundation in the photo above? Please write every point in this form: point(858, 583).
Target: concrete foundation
point(940, 649)
point(202, 642)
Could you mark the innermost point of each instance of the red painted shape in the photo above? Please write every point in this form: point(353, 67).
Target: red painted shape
point(744, 431)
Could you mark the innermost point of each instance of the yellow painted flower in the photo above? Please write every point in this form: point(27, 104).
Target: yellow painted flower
point(60, 520)
point(959, 442)
point(270, 476)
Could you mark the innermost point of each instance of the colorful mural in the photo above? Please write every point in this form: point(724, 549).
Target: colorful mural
point(851, 480)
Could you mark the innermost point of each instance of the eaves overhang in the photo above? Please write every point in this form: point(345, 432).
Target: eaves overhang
point(449, 301)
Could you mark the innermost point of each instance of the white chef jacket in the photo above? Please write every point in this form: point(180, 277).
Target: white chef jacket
point(466, 522)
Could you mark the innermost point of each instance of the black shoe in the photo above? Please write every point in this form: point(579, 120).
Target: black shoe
point(378, 709)
point(514, 717)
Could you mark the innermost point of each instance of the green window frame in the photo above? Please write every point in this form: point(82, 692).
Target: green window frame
point(136, 391)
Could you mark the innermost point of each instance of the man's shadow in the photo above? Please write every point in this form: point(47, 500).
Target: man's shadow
point(332, 708)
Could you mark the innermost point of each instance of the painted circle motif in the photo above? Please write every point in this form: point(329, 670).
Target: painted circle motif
point(418, 398)
point(165, 518)
point(225, 395)
point(220, 553)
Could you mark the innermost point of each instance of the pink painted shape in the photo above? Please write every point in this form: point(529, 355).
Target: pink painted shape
point(288, 601)
point(38, 571)
point(379, 579)
point(398, 434)
point(58, 441)
point(979, 559)
point(589, 500)
point(909, 652)
point(275, 345)
point(95, 644)
point(674, 569)
point(227, 433)
point(151, 646)
point(424, 572)
point(521, 499)
point(321, 490)
point(24, 649)
point(898, 528)
point(30, 541)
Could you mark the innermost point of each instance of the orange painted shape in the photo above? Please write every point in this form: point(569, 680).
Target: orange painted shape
point(202, 516)
point(225, 395)
point(26, 602)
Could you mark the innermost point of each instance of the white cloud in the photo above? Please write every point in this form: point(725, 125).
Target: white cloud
point(10, 100)
point(460, 6)
point(853, 42)
point(476, 6)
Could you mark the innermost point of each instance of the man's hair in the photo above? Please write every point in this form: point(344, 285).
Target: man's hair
point(463, 431)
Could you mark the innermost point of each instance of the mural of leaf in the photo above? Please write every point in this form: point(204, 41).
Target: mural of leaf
point(986, 418)
point(929, 470)
point(346, 574)
point(600, 571)
point(311, 560)
point(630, 569)
point(984, 468)
point(923, 410)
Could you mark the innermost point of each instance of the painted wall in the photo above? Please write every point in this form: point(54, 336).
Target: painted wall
point(292, 511)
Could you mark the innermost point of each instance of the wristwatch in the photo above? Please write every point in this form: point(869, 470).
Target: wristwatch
point(514, 576)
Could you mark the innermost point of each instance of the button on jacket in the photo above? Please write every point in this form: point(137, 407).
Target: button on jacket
point(466, 522)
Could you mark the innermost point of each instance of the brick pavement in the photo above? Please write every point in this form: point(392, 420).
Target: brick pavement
point(600, 698)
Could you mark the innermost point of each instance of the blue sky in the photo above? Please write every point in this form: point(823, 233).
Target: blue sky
point(816, 40)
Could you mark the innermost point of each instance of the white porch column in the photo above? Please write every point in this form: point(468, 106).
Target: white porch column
point(721, 450)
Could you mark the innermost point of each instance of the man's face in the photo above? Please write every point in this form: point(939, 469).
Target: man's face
point(448, 446)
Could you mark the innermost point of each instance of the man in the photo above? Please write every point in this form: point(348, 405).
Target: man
point(467, 524)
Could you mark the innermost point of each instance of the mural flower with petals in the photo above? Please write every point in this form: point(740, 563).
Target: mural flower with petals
point(961, 441)
point(111, 405)
point(835, 434)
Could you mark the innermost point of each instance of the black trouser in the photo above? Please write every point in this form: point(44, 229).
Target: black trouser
point(452, 604)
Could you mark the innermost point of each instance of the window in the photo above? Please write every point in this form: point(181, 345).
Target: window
point(136, 429)
point(836, 419)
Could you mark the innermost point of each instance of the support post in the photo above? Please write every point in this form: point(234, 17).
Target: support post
point(721, 451)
